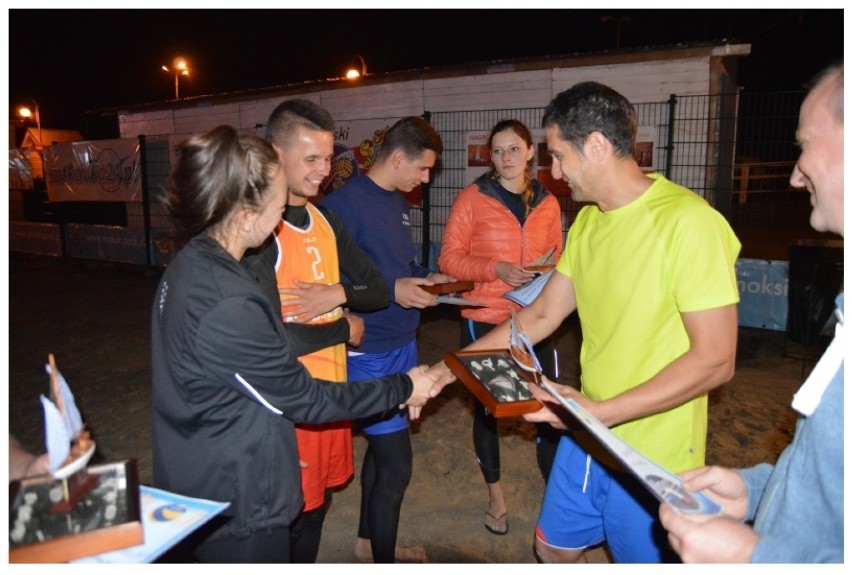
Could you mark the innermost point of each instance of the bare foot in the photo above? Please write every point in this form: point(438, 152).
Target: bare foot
point(364, 553)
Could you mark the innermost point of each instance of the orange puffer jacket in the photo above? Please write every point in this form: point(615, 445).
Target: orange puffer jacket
point(481, 231)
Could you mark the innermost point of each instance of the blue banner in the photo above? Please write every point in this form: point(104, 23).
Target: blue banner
point(763, 286)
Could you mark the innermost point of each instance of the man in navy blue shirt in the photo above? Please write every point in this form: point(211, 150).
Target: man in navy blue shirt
point(377, 217)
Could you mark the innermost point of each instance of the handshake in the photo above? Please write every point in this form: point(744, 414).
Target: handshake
point(427, 382)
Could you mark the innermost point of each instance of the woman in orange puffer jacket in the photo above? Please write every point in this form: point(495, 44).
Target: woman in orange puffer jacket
point(497, 225)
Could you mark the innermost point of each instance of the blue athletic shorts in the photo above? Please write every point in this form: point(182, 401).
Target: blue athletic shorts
point(363, 366)
point(586, 503)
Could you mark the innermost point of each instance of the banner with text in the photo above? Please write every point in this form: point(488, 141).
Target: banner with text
point(763, 287)
point(97, 171)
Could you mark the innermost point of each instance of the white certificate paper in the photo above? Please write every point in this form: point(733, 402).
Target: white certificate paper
point(665, 485)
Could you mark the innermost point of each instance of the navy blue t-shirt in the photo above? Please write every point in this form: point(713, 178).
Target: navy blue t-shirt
point(379, 221)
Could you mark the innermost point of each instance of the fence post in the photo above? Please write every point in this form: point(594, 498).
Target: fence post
point(58, 212)
point(146, 209)
point(426, 209)
point(670, 137)
point(722, 167)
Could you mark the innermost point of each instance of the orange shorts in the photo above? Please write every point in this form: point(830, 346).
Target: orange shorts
point(327, 449)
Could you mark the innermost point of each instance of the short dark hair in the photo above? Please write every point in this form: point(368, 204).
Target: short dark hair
point(216, 172)
point(593, 107)
point(285, 120)
point(413, 135)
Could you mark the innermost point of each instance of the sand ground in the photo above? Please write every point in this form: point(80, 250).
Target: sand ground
point(94, 318)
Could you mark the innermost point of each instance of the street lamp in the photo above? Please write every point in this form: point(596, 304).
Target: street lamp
point(179, 68)
point(355, 72)
point(26, 112)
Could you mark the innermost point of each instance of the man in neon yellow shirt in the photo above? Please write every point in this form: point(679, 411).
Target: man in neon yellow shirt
point(649, 267)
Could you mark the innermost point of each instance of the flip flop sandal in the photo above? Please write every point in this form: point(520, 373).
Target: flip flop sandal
point(502, 523)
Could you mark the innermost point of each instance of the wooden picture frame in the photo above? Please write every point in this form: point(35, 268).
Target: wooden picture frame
point(448, 287)
point(539, 269)
point(107, 518)
point(496, 380)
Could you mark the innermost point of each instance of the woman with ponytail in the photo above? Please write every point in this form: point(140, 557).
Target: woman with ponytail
point(227, 383)
point(500, 223)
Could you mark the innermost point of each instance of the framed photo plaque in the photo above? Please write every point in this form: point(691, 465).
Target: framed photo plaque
point(495, 380)
point(449, 287)
point(105, 519)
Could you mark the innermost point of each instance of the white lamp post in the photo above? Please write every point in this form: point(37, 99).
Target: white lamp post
point(179, 68)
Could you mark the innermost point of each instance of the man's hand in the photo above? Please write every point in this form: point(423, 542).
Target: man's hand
point(443, 377)
point(700, 538)
point(22, 463)
point(356, 329)
point(440, 278)
point(723, 485)
point(408, 294)
point(512, 274)
point(310, 300)
point(423, 383)
point(552, 411)
point(414, 412)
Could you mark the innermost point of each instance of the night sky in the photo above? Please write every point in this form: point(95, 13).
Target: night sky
point(74, 61)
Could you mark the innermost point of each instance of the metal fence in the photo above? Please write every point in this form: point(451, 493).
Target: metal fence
point(454, 128)
point(736, 151)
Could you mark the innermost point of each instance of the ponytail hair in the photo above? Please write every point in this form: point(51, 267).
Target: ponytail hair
point(217, 172)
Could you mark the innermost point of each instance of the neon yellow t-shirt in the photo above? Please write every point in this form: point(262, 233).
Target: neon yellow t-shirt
point(635, 270)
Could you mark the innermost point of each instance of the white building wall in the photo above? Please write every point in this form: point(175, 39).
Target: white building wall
point(643, 81)
point(527, 89)
point(391, 100)
point(134, 124)
point(195, 120)
point(253, 114)
point(501, 88)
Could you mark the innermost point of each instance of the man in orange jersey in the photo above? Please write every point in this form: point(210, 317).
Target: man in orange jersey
point(310, 252)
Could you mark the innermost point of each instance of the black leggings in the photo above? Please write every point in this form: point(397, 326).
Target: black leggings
point(306, 532)
point(486, 443)
point(384, 478)
point(264, 546)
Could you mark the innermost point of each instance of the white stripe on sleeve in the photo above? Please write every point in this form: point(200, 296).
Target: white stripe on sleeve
point(257, 396)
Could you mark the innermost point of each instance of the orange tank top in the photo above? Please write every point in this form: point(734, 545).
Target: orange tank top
point(310, 255)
